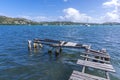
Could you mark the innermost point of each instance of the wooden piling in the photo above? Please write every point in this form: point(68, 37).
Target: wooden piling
point(29, 45)
point(60, 49)
point(35, 45)
point(40, 45)
point(57, 52)
point(49, 51)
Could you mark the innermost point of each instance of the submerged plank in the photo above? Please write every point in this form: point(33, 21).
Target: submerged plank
point(97, 54)
point(83, 76)
point(95, 59)
point(101, 66)
point(94, 51)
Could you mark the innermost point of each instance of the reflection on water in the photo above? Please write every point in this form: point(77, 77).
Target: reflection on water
point(17, 63)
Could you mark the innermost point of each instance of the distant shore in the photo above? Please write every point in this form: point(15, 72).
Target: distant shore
point(22, 21)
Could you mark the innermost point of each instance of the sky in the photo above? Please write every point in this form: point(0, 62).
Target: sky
point(97, 11)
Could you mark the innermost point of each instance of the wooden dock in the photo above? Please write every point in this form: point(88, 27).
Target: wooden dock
point(105, 67)
point(100, 60)
point(84, 76)
point(96, 59)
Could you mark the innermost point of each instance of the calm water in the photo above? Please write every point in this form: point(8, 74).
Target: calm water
point(17, 63)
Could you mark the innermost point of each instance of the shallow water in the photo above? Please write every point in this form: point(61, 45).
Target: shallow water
point(17, 63)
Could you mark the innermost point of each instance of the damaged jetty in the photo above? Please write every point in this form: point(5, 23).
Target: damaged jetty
point(92, 58)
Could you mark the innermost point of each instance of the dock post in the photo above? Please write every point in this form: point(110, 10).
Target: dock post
point(97, 57)
point(49, 51)
point(35, 45)
point(57, 52)
point(103, 50)
point(29, 45)
point(60, 49)
point(107, 75)
point(40, 45)
point(88, 48)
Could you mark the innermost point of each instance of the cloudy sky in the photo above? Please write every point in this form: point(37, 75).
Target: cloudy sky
point(63, 10)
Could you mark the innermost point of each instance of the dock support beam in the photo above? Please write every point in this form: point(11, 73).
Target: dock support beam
point(107, 75)
point(83, 70)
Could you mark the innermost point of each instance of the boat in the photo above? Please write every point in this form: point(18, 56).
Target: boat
point(87, 25)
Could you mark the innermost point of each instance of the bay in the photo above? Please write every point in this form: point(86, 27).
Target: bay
point(17, 63)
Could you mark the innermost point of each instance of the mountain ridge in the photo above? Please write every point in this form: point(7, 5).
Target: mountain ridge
point(4, 20)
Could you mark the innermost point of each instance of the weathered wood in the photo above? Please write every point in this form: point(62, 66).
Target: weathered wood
point(58, 43)
point(70, 44)
point(50, 40)
point(102, 54)
point(94, 51)
point(97, 54)
point(66, 46)
point(46, 43)
point(30, 45)
point(107, 75)
point(35, 45)
point(84, 76)
point(95, 59)
point(46, 40)
point(83, 70)
point(62, 43)
point(105, 67)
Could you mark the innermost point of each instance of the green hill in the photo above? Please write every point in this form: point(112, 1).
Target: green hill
point(22, 21)
point(15, 21)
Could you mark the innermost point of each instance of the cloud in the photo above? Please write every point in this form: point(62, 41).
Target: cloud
point(111, 3)
point(72, 14)
point(110, 17)
point(114, 14)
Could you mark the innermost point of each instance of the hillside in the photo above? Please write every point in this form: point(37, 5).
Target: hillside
point(14, 21)
point(22, 21)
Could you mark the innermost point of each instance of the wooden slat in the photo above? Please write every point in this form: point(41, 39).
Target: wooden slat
point(70, 44)
point(62, 43)
point(94, 51)
point(95, 59)
point(83, 76)
point(97, 54)
point(105, 67)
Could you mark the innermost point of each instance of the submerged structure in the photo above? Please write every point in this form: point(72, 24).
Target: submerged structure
point(91, 58)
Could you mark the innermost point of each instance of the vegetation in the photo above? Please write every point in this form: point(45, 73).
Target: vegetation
point(22, 21)
point(15, 21)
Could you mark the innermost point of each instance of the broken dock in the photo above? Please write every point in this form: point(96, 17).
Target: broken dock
point(91, 58)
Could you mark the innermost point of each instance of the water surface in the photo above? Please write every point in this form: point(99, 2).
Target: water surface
point(17, 63)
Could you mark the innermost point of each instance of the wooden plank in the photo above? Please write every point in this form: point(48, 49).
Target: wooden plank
point(105, 67)
point(95, 59)
point(83, 70)
point(97, 54)
point(70, 44)
point(57, 45)
point(50, 40)
point(62, 43)
point(94, 51)
point(84, 76)
point(67, 45)
point(47, 40)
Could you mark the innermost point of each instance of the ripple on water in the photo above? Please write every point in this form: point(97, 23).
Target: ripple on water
point(16, 63)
